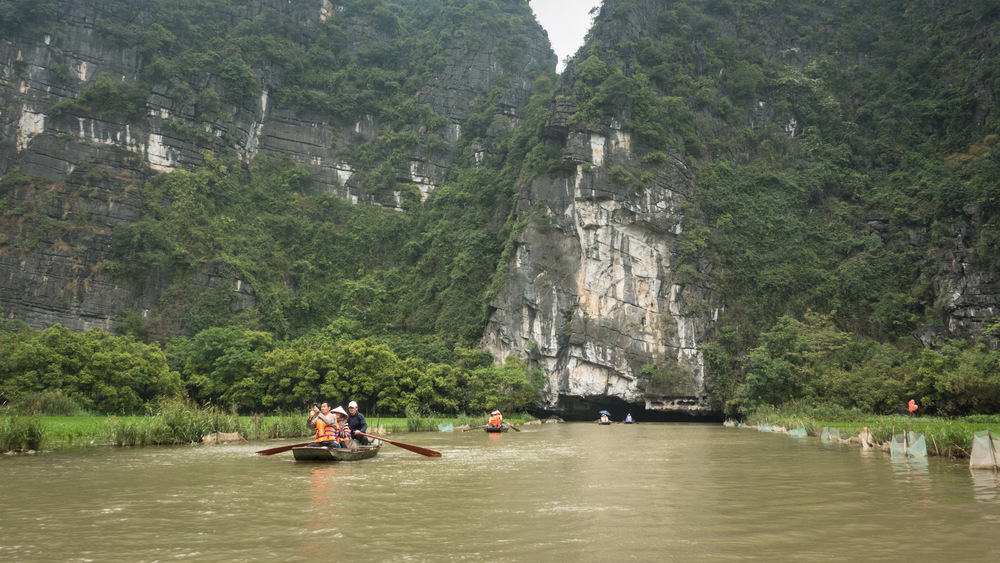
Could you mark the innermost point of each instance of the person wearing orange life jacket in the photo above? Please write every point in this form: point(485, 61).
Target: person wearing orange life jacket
point(324, 422)
point(496, 420)
point(331, 427)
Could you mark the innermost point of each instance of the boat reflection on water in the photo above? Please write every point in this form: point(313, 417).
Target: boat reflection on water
point(326, 484)
point(323, 482)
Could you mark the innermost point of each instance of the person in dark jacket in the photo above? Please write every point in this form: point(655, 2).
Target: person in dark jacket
point(356, 421)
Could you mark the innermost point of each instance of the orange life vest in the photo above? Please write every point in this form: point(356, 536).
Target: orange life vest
point(325, 432)
point(496, 420)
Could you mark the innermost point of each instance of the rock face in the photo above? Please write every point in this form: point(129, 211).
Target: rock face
point(593, 295)
point(222, 438)
point(50, 258)
point(967, 292)
point(597, 296)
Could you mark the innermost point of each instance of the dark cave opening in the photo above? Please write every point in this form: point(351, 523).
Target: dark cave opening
point(586, 409)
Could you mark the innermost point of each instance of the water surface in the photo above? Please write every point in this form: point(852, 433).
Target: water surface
point(644, 492)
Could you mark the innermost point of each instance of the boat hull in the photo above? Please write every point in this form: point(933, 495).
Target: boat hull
point(495, 430)
point(336, 454)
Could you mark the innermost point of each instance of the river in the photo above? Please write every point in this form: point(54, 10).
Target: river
point(554, 492)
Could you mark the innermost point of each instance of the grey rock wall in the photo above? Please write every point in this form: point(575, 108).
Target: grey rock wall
point(594, 293)
point(596, 296)
point(52, 273)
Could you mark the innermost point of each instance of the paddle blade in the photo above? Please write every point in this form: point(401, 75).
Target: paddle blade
point(415, 449)
point(279, 449)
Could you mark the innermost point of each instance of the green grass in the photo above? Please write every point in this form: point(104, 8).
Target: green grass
point(179, 424)
point(20, 433)
point(951, 437)
point(65, 431)
point(166, 427)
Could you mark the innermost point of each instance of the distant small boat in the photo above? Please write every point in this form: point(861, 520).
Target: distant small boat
point(495, 429)
point(335, 454)
point(629, 422)
point(603, 422)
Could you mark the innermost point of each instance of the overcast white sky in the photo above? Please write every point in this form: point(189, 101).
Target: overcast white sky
point(566, 22)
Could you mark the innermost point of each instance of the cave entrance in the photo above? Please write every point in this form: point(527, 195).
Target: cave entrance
point(586, 409)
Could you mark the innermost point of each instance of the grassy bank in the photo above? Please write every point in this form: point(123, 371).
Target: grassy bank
point(183, 424)
point(19, 433)
point(951, 437)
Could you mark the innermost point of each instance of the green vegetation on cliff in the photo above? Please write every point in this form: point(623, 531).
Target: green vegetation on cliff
point(326, 283)
point(841, 149)
point(843, 152)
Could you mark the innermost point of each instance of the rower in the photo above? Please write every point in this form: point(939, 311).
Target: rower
point(357, 423)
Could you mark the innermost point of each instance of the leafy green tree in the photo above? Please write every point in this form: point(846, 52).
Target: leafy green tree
point(217, 359)
point(97, 371)
point(959, 379)
point(792, 360)
point(870, 377)
point(287, 378)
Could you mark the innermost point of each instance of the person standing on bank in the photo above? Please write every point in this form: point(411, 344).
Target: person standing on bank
point(325, 423)
point(357, 423)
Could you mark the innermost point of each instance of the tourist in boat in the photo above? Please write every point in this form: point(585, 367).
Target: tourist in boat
point(341, 430)
point(496, 420)
point(357, 423)
point(628, 418)
point(324, 422)
point(331, 427)
point(605, 419)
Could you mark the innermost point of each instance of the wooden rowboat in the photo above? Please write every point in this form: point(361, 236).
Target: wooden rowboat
point(604, 423)
point(495, 429)
point(335, 454)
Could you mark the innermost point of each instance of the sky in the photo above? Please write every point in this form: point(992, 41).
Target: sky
point(566, 22)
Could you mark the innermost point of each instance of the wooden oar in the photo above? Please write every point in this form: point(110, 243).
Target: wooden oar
point(474, 428)
point(512, 427)
point(411, 447)
point(279, 449)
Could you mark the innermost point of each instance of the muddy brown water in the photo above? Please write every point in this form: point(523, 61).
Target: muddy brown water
point(556, 492)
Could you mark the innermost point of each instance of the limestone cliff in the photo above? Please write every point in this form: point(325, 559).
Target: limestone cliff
point(598, 295)
point(87, 164)
point(594, 294)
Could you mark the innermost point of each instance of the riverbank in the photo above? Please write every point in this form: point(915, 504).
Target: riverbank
point(184, 425)
point(944, 437)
